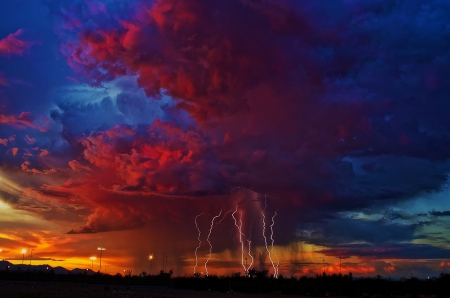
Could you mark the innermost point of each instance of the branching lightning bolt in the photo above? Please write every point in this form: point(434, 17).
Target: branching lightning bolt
point(250, 243)
point(263, 217)
point(265, 243)
point(242, 237)
point(239, 227)
point(225, 215)
point(271, 238)
point(249, 253)
point(210, 245)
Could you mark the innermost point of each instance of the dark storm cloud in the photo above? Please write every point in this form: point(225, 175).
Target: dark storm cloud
point(395, 251)
point(369, 107)
point(281, 90)
point(346, 230)
point(326, 106)
point(78, 117)
point(440, 213)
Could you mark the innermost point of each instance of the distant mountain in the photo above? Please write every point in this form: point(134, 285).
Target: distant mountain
point(5, 265)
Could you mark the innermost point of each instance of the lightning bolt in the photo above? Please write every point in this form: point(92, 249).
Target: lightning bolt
point(199, 241)
point(271, 238)
point(210, 245)
point(250, 242)
point(249, 253)
point(239, 227)
point(263, 218)
point(220, 221)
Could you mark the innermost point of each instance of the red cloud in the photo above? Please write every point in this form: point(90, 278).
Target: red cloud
point(13, 45)
point(260, 86)
point(29, 139)
point(5, 141)
point(76, 166)
point(25, 120)
point(166, 158)
point(113, 218)
point(160, 41)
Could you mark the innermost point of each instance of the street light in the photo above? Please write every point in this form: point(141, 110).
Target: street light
point(24, 251)
point(150, 257)
point(101, 249)
point(93, 259)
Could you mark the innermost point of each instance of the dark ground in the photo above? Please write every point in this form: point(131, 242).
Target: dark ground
point(41, 289)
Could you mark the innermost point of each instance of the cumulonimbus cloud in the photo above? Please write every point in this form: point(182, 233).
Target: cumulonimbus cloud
point(317, 104)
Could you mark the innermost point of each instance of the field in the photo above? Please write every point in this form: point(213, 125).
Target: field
point(41, 289)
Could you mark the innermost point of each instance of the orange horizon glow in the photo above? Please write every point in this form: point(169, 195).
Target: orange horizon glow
point(228, 261)
point(52, 247)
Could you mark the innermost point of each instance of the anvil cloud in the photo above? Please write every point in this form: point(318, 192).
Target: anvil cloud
point(152, 112)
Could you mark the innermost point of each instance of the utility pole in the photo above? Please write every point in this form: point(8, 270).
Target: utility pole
point(164, 263)
point(31, 254)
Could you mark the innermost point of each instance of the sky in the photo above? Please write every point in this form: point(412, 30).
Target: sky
point(297, 137)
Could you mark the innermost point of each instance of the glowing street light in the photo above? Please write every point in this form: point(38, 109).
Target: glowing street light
point(93, 259)
point(24, 251)
point(150, 257)
point(101, 249)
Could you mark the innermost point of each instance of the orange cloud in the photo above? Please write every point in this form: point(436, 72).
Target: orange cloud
point(44, 152)
point(76, 166)
point(25, 168)
point(25, 120)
